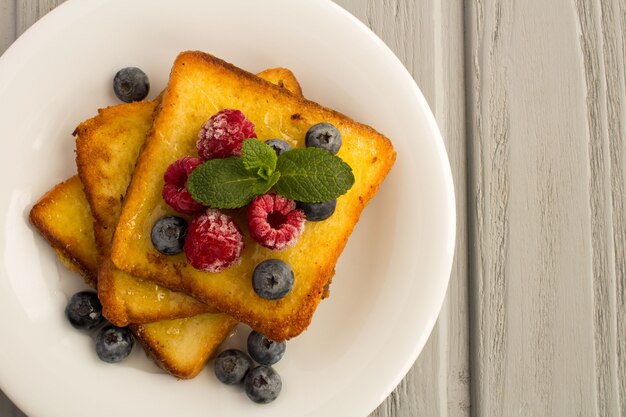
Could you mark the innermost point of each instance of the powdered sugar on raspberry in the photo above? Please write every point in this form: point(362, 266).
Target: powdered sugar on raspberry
point(274, 221)
point(223, 134)
point(175, 191)
point(214, 242)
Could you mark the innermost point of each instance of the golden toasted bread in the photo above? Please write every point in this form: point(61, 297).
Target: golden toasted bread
point(181, 347)
point(199, 86)
point(107, 147)
point(62, 217)
point(282, 77)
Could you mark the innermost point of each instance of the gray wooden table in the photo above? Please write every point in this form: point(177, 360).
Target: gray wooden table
point(531, 100)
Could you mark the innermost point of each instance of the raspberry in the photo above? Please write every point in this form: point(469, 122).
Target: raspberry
point(223, 134)
point(175, 189)
point(274, 221)
point(214, 242)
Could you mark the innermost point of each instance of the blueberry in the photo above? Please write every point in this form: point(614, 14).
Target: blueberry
point(84, 310)
point(272, 279)
point(263, 384)
point(231, 366)
point(168, 235)
point(263, 350)
point(279, 146)
point(317, 211)
point(131, 84)
point(325, 136)
point(113, 344)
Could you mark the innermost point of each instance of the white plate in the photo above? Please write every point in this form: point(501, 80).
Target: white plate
point(391, 279)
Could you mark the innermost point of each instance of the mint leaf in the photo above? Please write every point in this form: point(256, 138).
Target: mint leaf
point(312, 175)
point(226, 183)
point(273, 179)
point(258, 158)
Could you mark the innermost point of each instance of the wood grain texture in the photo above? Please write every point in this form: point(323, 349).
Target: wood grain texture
point(602, 46)
point(545, 110)
point(7, 409)
point(7, 24)
point(28, 12)
point(427, 37)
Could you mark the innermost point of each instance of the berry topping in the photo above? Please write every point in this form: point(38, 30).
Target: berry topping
point(274, 221)
point(272, 279)
point(175, 188)
point(131, 84)
point(263, 350)
point(84, 310)
point(113, 344)
point(231, 366)
point(279, 146)
point(325, 136)
point(263, 384)
point(223, 134)
point(168, 235)
point(214, 242)
point(317, 211)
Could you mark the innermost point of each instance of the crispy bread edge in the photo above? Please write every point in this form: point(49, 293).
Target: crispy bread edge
point(120, 314)
point(151, 345)
point(83, 130)
point(301, 99)
point(37, 219)
point(282, 77)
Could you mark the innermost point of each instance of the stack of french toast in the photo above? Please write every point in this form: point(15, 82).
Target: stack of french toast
point(99, 222)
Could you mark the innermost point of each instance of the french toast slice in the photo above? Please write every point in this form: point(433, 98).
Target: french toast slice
point(180, 347)
point(62, 217)
point(199, 86)
point(107, 147)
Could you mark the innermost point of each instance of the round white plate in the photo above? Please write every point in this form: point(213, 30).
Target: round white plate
point(390, 281)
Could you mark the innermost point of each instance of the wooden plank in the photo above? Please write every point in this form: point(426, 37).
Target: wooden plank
point(7, 24)
point(546, 109)
point(602, 44)
point(427, 36)
point(28, 12)
point(8, 409)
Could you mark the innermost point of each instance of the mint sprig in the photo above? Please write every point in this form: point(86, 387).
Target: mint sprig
point(310, 175)
point(226, 183)
point(258, 157)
